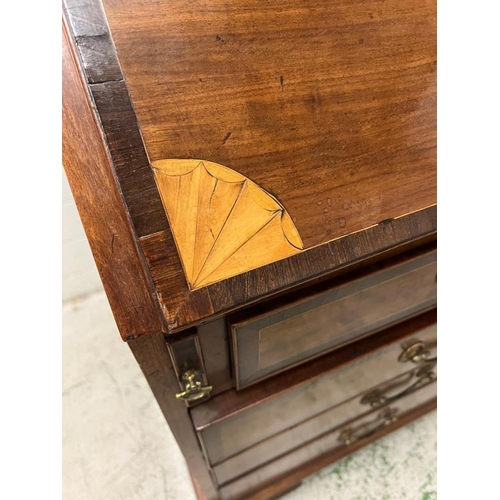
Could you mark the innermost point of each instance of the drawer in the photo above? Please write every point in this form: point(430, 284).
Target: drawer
point(266, 344)
point(336, 443)
point(388, 392)
point(224, 432)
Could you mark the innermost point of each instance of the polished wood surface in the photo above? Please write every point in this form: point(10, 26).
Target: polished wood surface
point(142, 33)
point(382, 109)
point(328, 106)
point(101, 70)
point(324, 114)
point(327, 443)
point(232, 402)
point(214, 342)
point(349, 317)
point(279, 485)
point(88, 25)
point(326, 421)
point(273, 341)
point(183, 307)
point(105, 219)
point(214, 336)
point(229, 435)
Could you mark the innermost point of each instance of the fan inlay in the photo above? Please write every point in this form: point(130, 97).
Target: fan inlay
point(223, 223)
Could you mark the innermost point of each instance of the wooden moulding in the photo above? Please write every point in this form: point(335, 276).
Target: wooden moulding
point(188, 307)
point(267, 343)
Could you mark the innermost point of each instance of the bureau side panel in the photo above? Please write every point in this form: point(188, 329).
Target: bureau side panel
point(152, 355)
point(101, 208)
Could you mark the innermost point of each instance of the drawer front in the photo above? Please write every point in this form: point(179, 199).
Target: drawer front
point(389, 392)
point(228, 436)
point(352, 433)
point(272, 342)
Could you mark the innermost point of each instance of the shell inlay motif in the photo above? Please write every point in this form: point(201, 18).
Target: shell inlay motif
point(223, 223)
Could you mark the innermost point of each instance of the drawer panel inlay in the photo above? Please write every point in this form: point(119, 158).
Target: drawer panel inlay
point(237, 432)
point(272, 342)
point(325, 422)
point(358, 430)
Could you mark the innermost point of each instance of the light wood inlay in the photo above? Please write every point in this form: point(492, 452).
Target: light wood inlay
point(223, 223)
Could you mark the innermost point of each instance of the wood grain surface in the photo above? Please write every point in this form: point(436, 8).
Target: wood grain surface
point(214, 335)
point(232, 402)
point(183, 308)
point(346, 142)
point(328, 444)
point(292, 478)
point(283, 442)
point(329, 106)
point(130, 160)
point(267, 343)
point(230, 435)
point(89, 27)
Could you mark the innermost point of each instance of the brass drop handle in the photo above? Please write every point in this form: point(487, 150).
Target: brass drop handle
point(193, 386)
point(378, 397)
point(350, 435)
point(417, 353)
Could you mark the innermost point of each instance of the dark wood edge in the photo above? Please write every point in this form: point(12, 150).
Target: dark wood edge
point(105, 219)
point(247, 316)
point(152, 355)
point(295, 297)
point(232, 402)
point(286, 482)
point(90, 36)
point(197, 490)
point(101, 70)
point(322, 261)
point(88, 24)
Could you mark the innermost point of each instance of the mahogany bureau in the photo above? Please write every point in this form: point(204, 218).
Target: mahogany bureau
point(257, 181)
